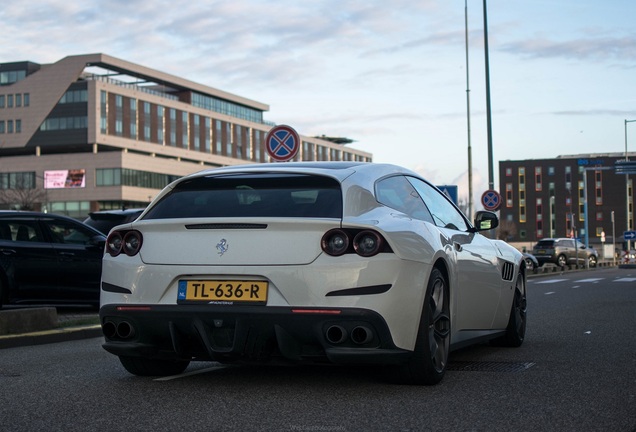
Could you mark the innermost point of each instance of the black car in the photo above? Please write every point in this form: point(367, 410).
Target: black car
point(48, 259)
point(105, 220)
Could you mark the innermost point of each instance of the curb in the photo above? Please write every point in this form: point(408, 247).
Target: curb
point(50, 336)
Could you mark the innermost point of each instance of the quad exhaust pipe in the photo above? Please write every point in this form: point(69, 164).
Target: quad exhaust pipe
point(122, 330)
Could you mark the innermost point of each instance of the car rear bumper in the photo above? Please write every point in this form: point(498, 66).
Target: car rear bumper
point(249, 334)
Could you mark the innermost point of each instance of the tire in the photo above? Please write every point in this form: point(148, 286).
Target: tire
point(516, 330)
point(562, 261)
point(529, 264)
point(427, 365)
point(152, 367)
point(591, 261)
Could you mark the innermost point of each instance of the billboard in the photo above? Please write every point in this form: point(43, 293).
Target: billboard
point(62, 179)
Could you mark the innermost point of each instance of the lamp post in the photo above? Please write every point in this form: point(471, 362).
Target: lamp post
point(613, 239)
point(627, 200)
point(552, 199)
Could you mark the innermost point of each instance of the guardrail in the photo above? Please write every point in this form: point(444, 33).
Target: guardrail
point(549, 269)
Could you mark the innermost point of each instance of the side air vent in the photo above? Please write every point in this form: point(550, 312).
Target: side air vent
point(508, 271)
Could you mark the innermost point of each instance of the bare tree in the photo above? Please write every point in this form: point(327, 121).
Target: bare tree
point(22, 194)
point(506, 230)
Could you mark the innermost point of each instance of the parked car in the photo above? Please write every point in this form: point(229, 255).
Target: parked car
point(105, 220)
point(564, 251)
point(48, 259)
point(531, 261)
point(345, 262)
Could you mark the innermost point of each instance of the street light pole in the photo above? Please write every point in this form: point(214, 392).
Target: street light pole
point(491, 175)
point(470, 157)
point(628, 221)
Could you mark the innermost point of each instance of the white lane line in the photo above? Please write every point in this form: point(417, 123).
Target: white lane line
point(551, 281)
point(550, 293)
point(187, 374)
point(590, 280)
point(625, 280)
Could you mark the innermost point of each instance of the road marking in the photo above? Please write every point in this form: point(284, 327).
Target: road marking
point(551, 281)
point(590, 280)
point(550, 293)
point(625, 280)
point(187, 374)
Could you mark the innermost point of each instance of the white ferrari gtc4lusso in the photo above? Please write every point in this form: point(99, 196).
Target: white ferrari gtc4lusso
point(324, 262)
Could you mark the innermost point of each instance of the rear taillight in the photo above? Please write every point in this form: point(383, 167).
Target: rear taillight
point(368, 243)
point(335, 242)
point(128, 242)
point(365, 243)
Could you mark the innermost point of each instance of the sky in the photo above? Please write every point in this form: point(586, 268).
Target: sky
point(392, 75)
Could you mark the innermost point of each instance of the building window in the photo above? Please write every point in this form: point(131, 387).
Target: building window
point(598, 186)
point(257, 145)
point(27, 99)
point(2, 126)
point(186, 133)
point(230, 136)
point(10, 101)
point(196, 133)
point(103, 105)
point(537, 179)
point(133, 118)
point(18, 100)
point(119, 115)
point(508, 172)
point(18, 126)
point(208, 132)
point(2, 101)
point(173, 127)
point(160, 137)
point(219, 137)
point(17, 180)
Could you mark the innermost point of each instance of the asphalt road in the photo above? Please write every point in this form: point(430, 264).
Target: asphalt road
point(576, 371)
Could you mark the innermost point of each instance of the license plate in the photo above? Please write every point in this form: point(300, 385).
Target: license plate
point(222, 291)
point(541, 252)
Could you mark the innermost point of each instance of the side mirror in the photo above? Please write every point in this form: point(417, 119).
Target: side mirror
point(485, 220)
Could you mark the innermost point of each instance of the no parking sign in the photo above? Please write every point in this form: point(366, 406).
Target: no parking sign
point(491, 200)
point(282, 143)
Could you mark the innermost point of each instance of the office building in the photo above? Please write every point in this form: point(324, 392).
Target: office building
point(94, 132)
point(543, 198)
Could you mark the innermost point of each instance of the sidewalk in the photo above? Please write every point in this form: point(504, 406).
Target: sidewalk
point(37, 326)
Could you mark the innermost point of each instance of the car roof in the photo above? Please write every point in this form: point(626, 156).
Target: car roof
point(4, 214)
point(117, 212)
point(339, 170)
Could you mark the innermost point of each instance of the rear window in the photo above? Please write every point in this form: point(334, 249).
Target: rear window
point(253, 195)
point(545, 244)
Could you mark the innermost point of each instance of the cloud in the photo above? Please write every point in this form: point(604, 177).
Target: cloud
point(621, 49)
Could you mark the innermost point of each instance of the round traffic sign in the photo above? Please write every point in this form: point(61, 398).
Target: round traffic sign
point(282, 143)
point(491, 200)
